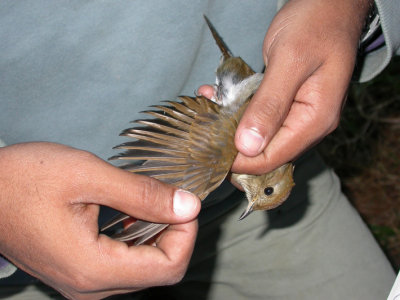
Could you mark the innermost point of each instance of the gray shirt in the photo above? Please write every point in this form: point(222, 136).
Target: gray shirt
point(76, 72)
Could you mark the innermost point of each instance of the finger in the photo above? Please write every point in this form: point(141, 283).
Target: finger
point(272, 101)
point(141, 196)
point(234, 182)
point(206, 91)
point(144, 266)
point(313, 115)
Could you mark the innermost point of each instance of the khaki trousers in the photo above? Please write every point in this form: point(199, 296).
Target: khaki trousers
point(314, 246)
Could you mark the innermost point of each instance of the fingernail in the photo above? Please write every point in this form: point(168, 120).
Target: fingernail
point(251, 141)
point(184, 203)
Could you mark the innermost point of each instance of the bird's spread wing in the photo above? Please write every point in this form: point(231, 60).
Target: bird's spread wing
point(189, 144)
point(183, 145)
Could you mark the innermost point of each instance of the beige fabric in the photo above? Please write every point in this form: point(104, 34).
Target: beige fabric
point(315, 246)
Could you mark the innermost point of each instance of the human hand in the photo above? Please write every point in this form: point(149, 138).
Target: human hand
point(310, 51)
point(49, 206)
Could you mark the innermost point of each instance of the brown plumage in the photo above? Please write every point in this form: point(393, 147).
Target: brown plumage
point(190, 144)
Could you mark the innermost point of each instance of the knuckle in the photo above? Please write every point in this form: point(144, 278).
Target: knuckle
point(177, 278)
point(153, 192)
point(334, 119)
point(176, 266)
point(270, 109)
point(331, 119)
point(82, 283)
point(292, 55)
point(85, 155)
point(294, 52)
point(177, 272)
point(146, 189)
point(334, 124)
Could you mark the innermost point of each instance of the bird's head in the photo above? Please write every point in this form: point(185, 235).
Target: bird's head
point(266, 191)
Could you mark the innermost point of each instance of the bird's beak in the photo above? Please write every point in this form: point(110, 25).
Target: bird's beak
point(248, 211)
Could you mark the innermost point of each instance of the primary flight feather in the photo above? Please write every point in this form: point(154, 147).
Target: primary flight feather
point(190, 144)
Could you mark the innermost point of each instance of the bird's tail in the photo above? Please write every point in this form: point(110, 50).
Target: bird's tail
point(220, 43)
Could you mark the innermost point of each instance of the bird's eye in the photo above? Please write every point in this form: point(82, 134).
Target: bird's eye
point(268, 191)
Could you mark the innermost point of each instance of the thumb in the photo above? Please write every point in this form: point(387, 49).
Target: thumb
point(266, 112)
point(143, 197)
point(284, 75)
point(206, 91)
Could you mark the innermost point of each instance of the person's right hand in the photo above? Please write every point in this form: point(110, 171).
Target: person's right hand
point(49, 204)
point(309, 51)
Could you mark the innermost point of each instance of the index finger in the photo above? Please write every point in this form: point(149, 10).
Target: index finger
point(138, 267)
point(270, 105)
point(313, 114)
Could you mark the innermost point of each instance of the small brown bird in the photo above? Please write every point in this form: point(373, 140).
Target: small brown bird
point(190, 144)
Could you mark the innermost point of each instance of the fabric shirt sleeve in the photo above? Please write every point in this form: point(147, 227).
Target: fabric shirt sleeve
point(376, 60)
point(6, 268)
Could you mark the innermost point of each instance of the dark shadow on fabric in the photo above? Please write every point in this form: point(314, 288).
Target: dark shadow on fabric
point(295, 207)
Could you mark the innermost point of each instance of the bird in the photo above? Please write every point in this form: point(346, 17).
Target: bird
point(189, 143)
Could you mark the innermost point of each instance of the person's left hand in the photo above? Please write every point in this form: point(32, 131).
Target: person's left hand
point(50, 196)
point(310, 51)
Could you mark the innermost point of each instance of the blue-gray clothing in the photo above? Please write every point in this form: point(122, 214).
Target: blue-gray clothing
point(76, 72)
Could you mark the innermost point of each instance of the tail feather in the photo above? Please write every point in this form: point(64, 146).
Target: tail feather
point(220, 43)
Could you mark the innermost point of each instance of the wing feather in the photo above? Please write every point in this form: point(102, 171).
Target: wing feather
point(189, 144)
